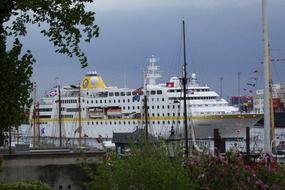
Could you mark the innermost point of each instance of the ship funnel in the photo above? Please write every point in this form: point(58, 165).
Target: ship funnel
point(92, 81)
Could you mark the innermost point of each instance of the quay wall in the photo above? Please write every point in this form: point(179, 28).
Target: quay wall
point(59, 170)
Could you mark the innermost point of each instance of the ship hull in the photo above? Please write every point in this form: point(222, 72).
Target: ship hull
point(230, 126)
point(279, 120)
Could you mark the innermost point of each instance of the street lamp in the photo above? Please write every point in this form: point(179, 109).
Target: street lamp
point(172, 143)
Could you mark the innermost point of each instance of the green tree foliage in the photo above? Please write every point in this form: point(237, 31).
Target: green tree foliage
point(15, 87)
point(25, 186)
point(64, 22)
point(147, 168)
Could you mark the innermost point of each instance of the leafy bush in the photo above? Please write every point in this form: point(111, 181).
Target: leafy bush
point(146, 168)
point(217, 172)
point(25, 186)
point(231, 172)
point(150, 168)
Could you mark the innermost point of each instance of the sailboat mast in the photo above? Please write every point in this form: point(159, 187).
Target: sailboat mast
point(145, 108)
point(59, 116)
point(272, 124)
point(184, 83)
point(34, 115)
point(267, 142)
point(38, 121)
point(79, 115)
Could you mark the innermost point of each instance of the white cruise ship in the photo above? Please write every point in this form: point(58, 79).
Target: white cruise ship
point(105, 110)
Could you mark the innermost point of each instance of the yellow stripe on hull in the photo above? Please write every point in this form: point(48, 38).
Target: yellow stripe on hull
point(161, 118)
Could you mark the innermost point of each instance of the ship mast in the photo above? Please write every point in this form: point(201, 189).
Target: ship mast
point(151, 76)
point(267, 141)
point(184, 83)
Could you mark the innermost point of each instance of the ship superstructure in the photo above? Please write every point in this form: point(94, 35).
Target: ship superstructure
point(105, 110)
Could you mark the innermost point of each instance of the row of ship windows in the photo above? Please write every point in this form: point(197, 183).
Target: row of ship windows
point(72, 101)
point(139, 91)
point(152, 99)
point(69, 101)
point(63, 116)
point(129, 107)
point(133, 107)
point(110, 101)
point(133, 122)
point(136, 99)
point(62, 109)
point(194, 98)
point(191, 90)
point(127, 122)
point(128, 93)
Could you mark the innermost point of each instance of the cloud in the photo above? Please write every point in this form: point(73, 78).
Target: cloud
point(131, 5)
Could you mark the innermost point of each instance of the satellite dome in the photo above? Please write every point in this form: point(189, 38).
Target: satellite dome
point(94, 80)
point(193, 76)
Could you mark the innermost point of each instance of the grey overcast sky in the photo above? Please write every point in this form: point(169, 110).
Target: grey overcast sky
point(224, 37)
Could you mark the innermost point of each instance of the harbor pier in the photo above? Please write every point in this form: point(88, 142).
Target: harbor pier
point(59, 168)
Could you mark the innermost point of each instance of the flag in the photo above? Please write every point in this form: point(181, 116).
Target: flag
point(169, 84)
point(42, 131)
point(52, 92)
point(136, 98)
point(138, 91)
